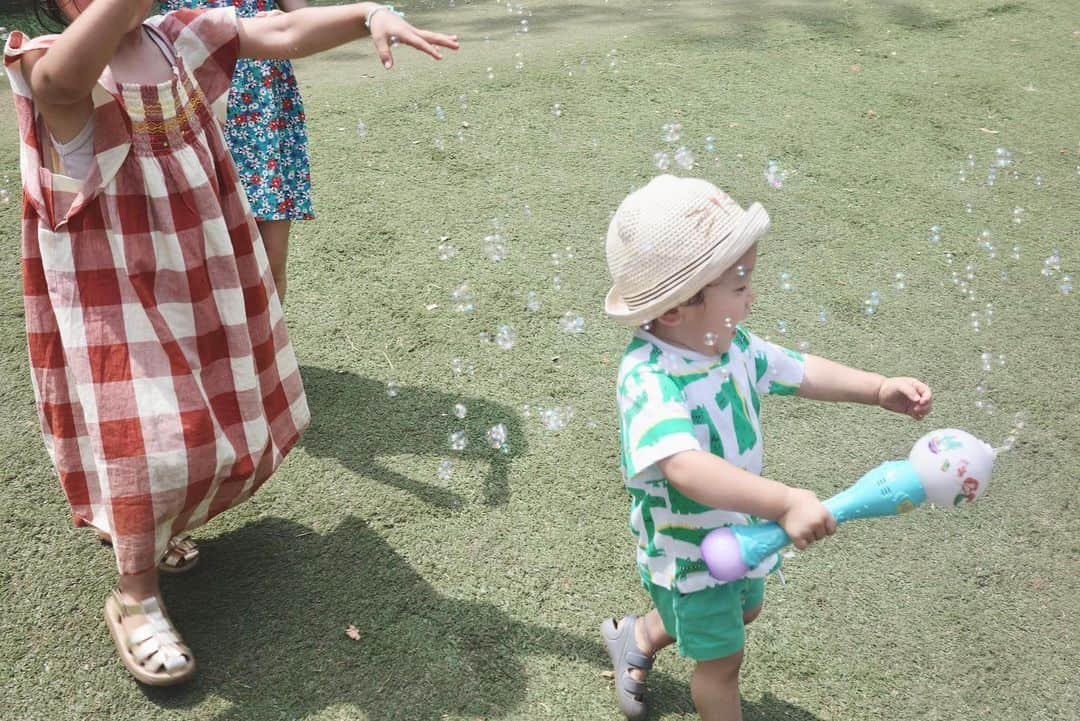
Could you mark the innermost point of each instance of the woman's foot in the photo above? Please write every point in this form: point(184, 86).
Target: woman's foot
point(149, 645)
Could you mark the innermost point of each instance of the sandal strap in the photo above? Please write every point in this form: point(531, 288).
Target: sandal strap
point(181, 551)
point(155, 643)
point(638, 660)
point(632, 686)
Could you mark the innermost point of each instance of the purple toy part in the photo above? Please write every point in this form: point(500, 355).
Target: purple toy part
point(721, 553)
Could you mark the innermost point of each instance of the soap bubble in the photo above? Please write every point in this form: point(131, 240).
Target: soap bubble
point(935, 234)
point(458, 441)
point(899, 281)
point(710, 144)
point(440, 114)
point(460, 411)
point(490, 74)
point(532, 301)
point(505, 337)
point(556, 282)
point(684, 158)
point(557, 110)
point(711, 338)
point(822, 315)
point(1038, 180)
point(1017, 215)
point(445, 469)
point(782, 326)
point(1066, 285)
point(361, 129)
point(969, 207)
point(572, 322)
point(460, 366)
point(671, 132)
point(775, 175)
point(494, 247)
point(1016, 252)
point(446, 251)
point(496, 437)
point(740, 271)
point(1003, 157)
point(785, 281)
point(392, 389)
point(556, 418)
point(661, 160)
point(462, 297)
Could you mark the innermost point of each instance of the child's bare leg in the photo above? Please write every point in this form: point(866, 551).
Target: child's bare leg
point(139, 587)
point(275, 236)
point(650, 637)
point(715, 688)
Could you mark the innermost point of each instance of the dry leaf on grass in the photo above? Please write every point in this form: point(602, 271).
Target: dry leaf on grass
point(607, 674)
point(988, 130)
point(353, 632)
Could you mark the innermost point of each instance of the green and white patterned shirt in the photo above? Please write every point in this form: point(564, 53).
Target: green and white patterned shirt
point(671, 400)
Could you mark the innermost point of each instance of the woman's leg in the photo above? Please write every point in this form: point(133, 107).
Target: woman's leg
point(275, 235)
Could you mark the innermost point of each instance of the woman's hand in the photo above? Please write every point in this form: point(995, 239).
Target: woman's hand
point(386, 27)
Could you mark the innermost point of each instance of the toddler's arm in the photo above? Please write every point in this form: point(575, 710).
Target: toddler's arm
point(714, 482)
point(310, 30)
point(827, 380)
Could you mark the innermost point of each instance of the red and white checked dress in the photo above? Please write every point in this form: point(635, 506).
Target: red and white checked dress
point(166, 385)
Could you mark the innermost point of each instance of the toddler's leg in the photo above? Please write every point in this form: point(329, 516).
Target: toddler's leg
point(650, 636)
point(275, 235)
point(715, 688)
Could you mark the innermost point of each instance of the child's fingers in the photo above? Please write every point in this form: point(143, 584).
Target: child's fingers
point(414, 40)
point(382, 49)
point(446, 41)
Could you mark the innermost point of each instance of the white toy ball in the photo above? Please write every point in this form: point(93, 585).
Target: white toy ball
point(953, 465)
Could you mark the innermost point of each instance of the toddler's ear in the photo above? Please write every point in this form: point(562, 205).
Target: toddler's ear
point(672, 317)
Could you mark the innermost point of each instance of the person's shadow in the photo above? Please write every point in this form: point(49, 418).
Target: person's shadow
point(267, 612)
point(355, 421)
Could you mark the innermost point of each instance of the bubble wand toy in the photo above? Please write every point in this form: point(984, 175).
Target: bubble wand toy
point(947, 466)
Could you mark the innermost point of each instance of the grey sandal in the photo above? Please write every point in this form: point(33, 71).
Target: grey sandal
point(625, 656)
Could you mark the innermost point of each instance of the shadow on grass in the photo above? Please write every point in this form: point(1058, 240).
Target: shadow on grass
point(356, 422)
point(266, 616)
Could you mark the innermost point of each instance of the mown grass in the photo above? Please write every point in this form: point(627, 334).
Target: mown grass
point(478, 597)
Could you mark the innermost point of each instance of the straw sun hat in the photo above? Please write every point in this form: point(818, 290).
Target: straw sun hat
point(671, 238)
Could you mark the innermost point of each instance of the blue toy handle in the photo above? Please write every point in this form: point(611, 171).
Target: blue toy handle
point(887, 490)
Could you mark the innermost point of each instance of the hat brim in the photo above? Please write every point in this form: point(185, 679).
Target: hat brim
point(753, 225)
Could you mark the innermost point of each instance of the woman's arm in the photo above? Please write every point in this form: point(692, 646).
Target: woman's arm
point(311, 30)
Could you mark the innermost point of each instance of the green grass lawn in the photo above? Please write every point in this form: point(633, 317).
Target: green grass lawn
point(478, 596)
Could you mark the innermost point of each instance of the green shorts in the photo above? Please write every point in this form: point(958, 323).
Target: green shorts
point(708, 624)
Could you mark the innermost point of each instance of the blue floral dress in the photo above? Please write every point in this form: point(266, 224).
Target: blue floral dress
point(265, 127)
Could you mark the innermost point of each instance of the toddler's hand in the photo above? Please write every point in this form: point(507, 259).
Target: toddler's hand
point(387, 26)
point(909, 396)
point(806, 520)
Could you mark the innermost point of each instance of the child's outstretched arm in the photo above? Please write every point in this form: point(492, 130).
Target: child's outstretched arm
point(310, 30)
point(827, 380)
point(712, 481)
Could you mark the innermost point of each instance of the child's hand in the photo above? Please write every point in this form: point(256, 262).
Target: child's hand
point(386, 27)
point(806, 520)
point(909, 396)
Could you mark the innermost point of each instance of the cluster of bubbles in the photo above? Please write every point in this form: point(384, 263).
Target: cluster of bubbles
point(986, 319)
point(871, 302)
point(505, 337)
point(496, 438)
point(682, 156)
point(494, 247)
point(1051, 268)
point(785, 281)
point(555, 418)
point(460, 366)
point(1010, 440)
point(988, 361)
point(463, 298)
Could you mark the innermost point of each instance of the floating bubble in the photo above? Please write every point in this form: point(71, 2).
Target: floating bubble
point(505, 337)
point(1066, 285)
point(785, 281)
point(462, 297)
point(1038, 180)
point(899, 282)
point(728, 322)
point(439, 143)
point(524, 26)
point(822, 315)
point(1017, 215)
point(661, 160)
point(711, 338)
point(5, 196)
point(460, 411)
point(440, 113)
point(460, 366)
point(710, 144)
point(1016, 252)
point(935, 234)
point(782, 326)
point(361, 129)
point(572, 322)
point(775, 175)
point(969, 207)
point(494, 247)
point(556, 418)
point(392, 389)
point(556, 282)
point(490, 74)
point(445, 469)
point(496, 437)
point(557, 110)
point(671, 132)
point(740, 270)
point(458, 441)
point(1052, 264)
point(532, 301)
point(1003, 157)
point(463, 101)
point(446, 251)
point(803, 346)
point(684, 158)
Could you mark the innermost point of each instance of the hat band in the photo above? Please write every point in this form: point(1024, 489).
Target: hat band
point(647, 296)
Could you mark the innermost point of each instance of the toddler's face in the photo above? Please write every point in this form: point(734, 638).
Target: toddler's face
point(726, 303)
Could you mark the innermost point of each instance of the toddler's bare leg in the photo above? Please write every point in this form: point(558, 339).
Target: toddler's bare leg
point(715, 688)
point(650, 636)
point(275, 235)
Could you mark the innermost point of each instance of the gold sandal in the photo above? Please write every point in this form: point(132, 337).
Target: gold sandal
point(153, 653)
point(181, 554)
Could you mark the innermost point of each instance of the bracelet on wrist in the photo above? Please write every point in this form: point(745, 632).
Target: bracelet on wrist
point(379, 8)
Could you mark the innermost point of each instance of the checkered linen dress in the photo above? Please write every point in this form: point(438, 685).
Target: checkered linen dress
point(166, 385)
